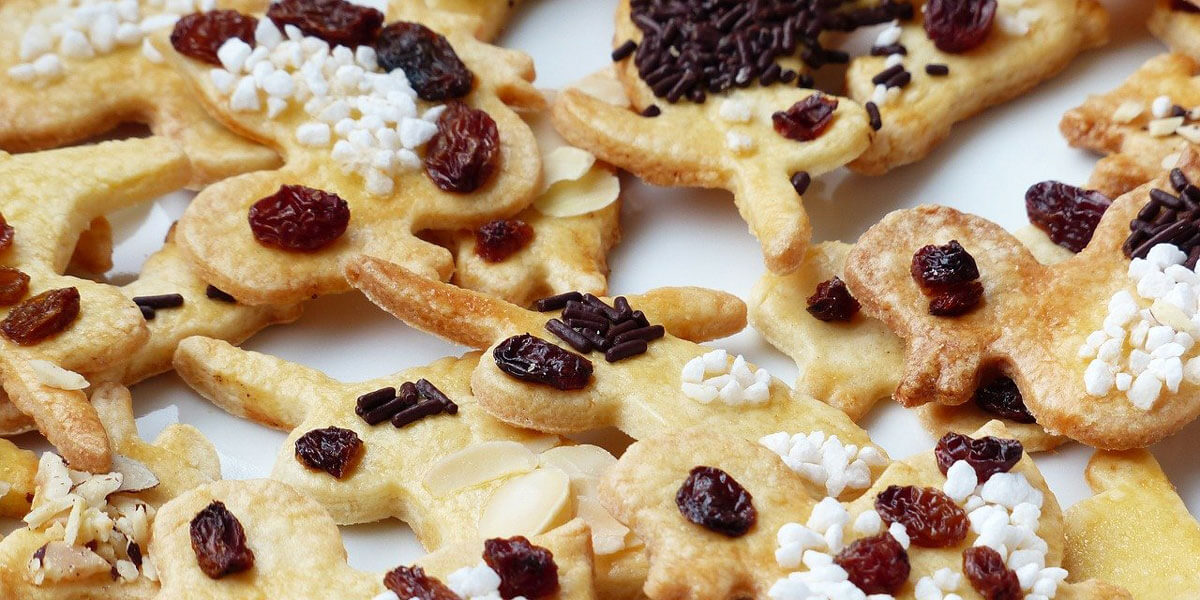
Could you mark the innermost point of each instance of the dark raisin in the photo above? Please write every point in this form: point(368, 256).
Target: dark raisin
point(807, 119)
point(429, 61)
point(1184, 6)
point(6, 234)
point(412, 582)
point(877, 564)
point(524, 569)
point(13, 286)
point(335, 21)
point(500, 239)
point(1002, 398)
point(41, 316)
point(959, 25)
point(298, 218)
point(940, 267)
point(932, 518)
point(832, 301)
point(200, 35)
point(710, 497)
point(987, 455)
point(1069, 215)
point(464, 152)
point(985, 569)
point(332, 449)
point(955, 301)
point(533, 359)
point(219, 542)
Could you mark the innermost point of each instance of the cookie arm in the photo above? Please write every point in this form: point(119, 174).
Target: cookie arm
point(693, 313)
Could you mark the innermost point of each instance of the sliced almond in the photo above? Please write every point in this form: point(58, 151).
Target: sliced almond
point(62, 563)
point(603, 85)
point(1172, 316)
point(608, 534)
point(542, 442)
point(1164, 127)
point(565, 163)
point(477, 464)
point(592, 192)
point(582, 461)
point(1127, 111)
point(52, 375)
point(97, 488)
point(135, 476)
point(527, 505)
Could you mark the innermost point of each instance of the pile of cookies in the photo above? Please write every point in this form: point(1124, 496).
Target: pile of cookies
point(388, 148)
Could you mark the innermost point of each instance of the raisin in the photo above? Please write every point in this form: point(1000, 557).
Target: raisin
point(955, 301)
point(877, 564)
point(987, 455)
point(6, 234)
point(332, 449)
point(533, 359)
point(710, 497)
point(832, 301)
point(941, 267)
point(41, 316)
point(335, 21)
point(1184, 6)
point(462, 155)
point(985, 569)
point(412, 582)
point(932, 518)
point(13, 286)
point(298, 218)
point(959, 25)
point(429, 61)
point(1002, 398)
point(200, 35)
point(524, 569)
point(1069, 215)
point(219, 542)
point(500, 239)
point(807, 119)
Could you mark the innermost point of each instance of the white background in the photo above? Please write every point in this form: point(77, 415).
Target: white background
point(686, 237)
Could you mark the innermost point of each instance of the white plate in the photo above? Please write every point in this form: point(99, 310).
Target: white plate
point(687, 237)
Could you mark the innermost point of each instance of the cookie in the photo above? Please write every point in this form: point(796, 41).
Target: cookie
point(921, 85)
point(761, 533)
point(16, 479)
point(273, 518)
point(1135, 125)
point(75, 552)
point(1177, 25)
point(1038, 324)
point(1135, 510)
point(349, 145)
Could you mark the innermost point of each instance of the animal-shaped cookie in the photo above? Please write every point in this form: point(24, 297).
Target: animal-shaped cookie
point(349, 125)
point(288, 547)
point(1135, 510)
point(722, 517)
point(1140, 126)
point(1177, 24)
point(87, 536)
point(968, 299)
point(927, 74)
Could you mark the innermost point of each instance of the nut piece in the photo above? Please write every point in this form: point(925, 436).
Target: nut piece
point(135, 476)
point(528, 504)
point(477, 464)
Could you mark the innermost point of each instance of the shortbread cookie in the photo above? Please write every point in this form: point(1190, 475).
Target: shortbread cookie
point(1043, 325)
point(723, 517)
point(1141, 126)
point(1177, 24)
point(920, 87)
point(87, 536)
point(295, 551)
point(1135, 513)
point(17, 468)
point(349, 132)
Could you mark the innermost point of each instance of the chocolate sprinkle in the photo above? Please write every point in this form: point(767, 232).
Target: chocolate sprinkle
point(147, 312)
point(937, 70)
point(651, 111)
point(873, 114)
point(556, 302)
point(800, 181)
point(889, 50)
point(214, 293)
point(624, 50)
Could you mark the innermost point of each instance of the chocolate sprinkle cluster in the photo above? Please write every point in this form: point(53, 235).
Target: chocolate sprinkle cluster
point(588, 323)
point(413, 402)
point(1168, 219)
point(691, 48)
point(150, 304)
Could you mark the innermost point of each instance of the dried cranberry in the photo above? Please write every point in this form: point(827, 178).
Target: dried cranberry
point(987, 455)
point(877, 564)
point(955, 301)
point(985, 569)
point(710, 497)
point(219, 542)
point(832, 301)
point(941, 267)
point(959, 25)
point(524, 569)
point(533, 359)
point(1069, 215)
point(298, 218)
point(332, 449)
point(6, 234)
point(463, 154)
point(429, 61)
point(500, 239)
point(931, 518)
point(807, 119)
point(1002, 398)
point(412, 582)
point(41, 316)
point(335, 21)
point(200, 35)
point(13, 286)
